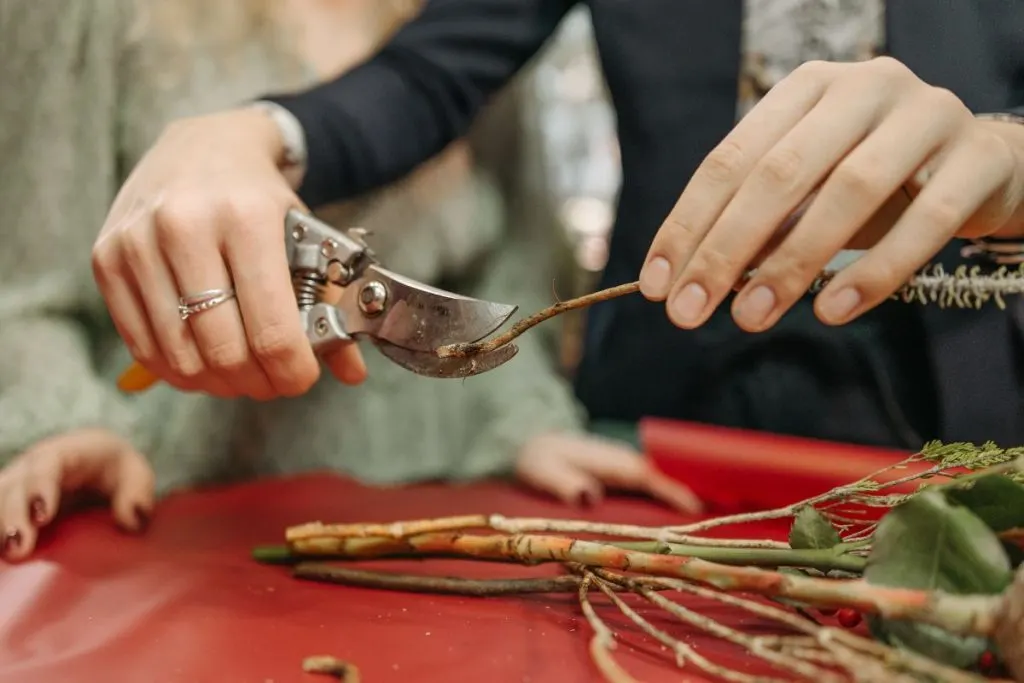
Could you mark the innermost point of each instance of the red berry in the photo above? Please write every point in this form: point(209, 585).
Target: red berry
point(827, 611)
point(848, 618)
point(987, 662)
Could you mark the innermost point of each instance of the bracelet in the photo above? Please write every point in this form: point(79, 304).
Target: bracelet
point(993, 250)
point(293, 136)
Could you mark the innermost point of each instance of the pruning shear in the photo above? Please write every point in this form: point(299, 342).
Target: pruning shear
point(404, 319)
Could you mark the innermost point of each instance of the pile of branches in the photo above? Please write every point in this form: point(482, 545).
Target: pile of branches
point(937, 571)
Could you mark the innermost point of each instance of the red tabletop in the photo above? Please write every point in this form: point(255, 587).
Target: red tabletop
point(185, 603)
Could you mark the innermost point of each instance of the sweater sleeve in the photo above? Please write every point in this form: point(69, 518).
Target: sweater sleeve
point(57, 142)
point(421, 91)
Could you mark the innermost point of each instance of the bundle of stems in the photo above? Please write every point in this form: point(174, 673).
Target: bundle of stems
point(616, 560)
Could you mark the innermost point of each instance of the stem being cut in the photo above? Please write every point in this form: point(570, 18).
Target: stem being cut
point(465, 350)
point(964, 288)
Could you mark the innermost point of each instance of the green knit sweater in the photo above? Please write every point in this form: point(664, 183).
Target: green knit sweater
point(78, 106)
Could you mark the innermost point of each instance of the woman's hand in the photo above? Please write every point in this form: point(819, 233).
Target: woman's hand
point(861, 136)
point(33, 485)
point(203, 210)
point(577, 468)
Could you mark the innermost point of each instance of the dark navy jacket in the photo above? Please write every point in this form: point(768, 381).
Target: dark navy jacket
point(672, 68)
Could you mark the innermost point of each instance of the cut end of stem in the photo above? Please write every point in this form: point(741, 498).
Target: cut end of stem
point(274, 554)
point(460, 350)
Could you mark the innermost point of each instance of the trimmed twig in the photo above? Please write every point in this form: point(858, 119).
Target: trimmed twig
point(905, 658)
point(963, 614)
point(860, 491)
point(515, 525)
point(445, 585)
point(822, 559)
point(708, 625)
point(603, 641)
point(840, 493)
point(331, 666)
point(464, 350)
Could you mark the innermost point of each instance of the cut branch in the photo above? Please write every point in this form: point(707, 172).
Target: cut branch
point(464, 350)
point(515, 525)
point(329, 573)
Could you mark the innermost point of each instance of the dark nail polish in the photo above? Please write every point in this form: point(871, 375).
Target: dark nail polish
point(12, 539)
point(37, 510)
point(141, 517)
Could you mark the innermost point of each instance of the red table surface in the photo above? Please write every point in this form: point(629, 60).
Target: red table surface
point(185, 603)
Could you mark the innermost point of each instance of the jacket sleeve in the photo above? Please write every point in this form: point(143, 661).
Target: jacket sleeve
point(421, 91)
point(57, 145)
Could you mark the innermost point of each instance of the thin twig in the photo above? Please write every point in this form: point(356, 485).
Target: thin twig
point(904, 658)
point(464, 350)
point(714, 628)
point(331, 666)
point(603, 641)
point(836, 494)
point(445, 585)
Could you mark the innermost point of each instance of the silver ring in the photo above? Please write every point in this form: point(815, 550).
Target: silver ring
point(203, 301)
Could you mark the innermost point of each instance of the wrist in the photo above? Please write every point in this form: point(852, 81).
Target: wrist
point(284, 137)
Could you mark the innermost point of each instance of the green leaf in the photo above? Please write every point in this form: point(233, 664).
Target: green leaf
point(960, 651)
point(931, 543)
point(997, 500)
point(811, 531)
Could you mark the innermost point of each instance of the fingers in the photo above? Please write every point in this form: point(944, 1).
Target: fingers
point(133, 491)
point(174, 339)
point(197, 266)
point(121, 295)
point(266, 297)
point(19, 534)
point(347, 364)
point(855, 190)
point(673, 493)
point(775, 187)
point(543, 466)
point(720, 175)
point(577, 469)
point(620, 467)
point(971, 173)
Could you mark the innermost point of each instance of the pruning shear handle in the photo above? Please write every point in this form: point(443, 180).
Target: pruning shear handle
point(344, 295)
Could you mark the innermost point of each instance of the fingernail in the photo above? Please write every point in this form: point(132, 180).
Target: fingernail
point(655, 278)
point(837, 308)
point(37, 510)
point(141, 517)
point(586, 499)
point(753, 309)
point(12, 539)
point(689, 304)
